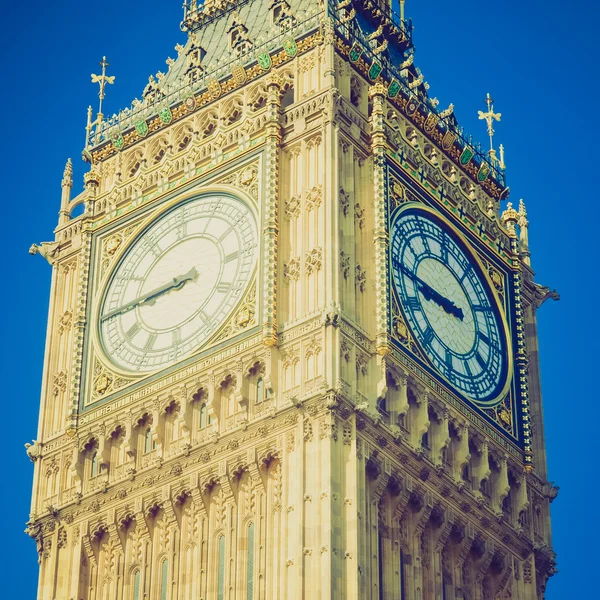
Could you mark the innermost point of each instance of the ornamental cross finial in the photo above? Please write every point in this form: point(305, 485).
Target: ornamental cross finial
point(102, 80)
point(489, 118)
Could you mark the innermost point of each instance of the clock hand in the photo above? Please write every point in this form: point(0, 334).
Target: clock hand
point(150, 297)
point(430, 294)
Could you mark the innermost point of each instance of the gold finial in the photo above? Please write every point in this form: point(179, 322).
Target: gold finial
point(502, 165)
point(489, 118)
point(102, 79)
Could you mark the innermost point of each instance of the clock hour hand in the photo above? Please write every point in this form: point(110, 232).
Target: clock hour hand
point(150, 297)
point(430, 294)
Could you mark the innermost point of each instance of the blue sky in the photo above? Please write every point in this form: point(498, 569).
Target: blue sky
point(539, 62)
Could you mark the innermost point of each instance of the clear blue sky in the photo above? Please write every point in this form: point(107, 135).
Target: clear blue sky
point(537, 59)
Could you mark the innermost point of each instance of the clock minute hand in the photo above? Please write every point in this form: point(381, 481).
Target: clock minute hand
point(175, 284)
point(150, 297)
point(430, 294)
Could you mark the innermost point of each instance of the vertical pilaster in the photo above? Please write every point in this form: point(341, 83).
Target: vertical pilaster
point(79, 322)
point(381, 236)
point(271, 213)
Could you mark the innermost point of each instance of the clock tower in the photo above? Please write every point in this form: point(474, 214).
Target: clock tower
point(292, 347)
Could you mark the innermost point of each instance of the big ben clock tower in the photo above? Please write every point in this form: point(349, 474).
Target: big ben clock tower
point(292, 346)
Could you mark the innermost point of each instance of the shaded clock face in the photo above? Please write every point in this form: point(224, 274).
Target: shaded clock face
point(177, 282)
point(448, 304)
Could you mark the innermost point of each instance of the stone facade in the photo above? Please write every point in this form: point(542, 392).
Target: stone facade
point(302, 452)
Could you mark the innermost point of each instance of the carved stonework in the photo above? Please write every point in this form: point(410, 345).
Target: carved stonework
point(244, 317)
point(245, 178)
point(313, 260)
point(291, 270)
point(105, 381)
point(113, 244)
point(65, 321)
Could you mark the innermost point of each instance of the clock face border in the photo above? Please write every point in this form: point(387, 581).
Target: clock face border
point(513, 391)
point(153, 216)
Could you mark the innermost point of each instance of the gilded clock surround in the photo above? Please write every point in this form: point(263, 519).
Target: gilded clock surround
point(311, 414)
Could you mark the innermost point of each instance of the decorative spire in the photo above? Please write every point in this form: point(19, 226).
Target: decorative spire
point(523, 224)
point(490, 116)
point(102, 80)
point(65, 199)
point(67, 180)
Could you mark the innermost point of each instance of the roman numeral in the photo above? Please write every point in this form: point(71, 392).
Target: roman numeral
point(181, 229)
point(485, 338)
point(153, 247)
point(413, 303)
point(467, 368)
point(449, 360)
point(232, 256)
point(150, 343)
point(223, 288)
point(428, 336)
point(225, 234)
point(480, 360)
point(444, 250)
point(130, 333)
point(176, 337)
point(481, 308)
point(466, 272)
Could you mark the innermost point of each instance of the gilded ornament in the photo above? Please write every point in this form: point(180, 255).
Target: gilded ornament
point(165, 114)
point(239, 74)
point(466, 155)
point(244, 317)
point(393, 88)
point(102, 384)
point(375, 70)
point(412, 106)
point(448, 140)
point(497, 280)
point(355, 52)
point(505, 417)
point(113, 244)
point(141, 127)
point(290, 47)
point(431, 122)
point(264, 60)
point(400, 328)
point(117, 139)
point(190, 102)
point(483, 173)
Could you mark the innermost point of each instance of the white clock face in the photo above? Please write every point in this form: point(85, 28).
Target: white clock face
point(178, 282)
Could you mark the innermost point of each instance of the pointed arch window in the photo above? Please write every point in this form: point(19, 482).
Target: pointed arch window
point(260, 390)
point(148, 441)
point(164, 571)
point(136, 585)
point(221, 571)
point(94, 465)
point(250, 583)
point(203, 416)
